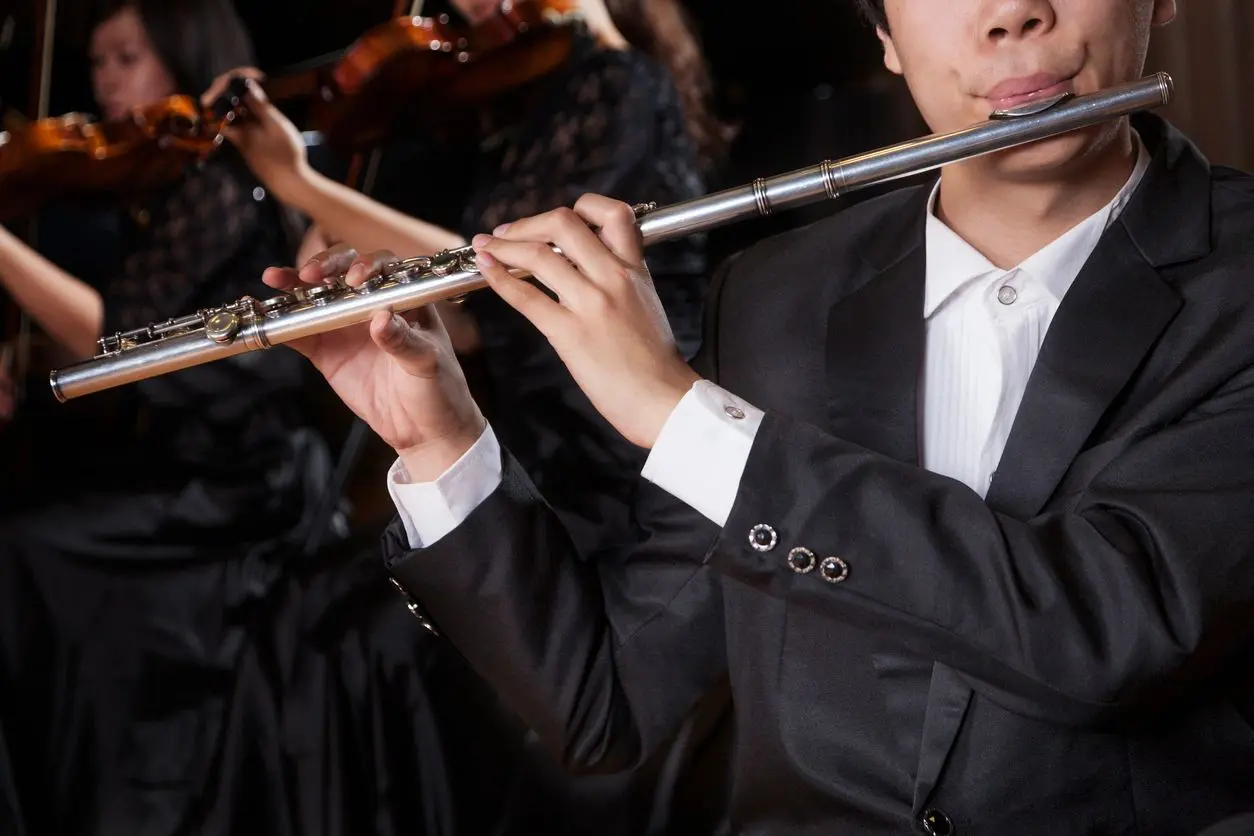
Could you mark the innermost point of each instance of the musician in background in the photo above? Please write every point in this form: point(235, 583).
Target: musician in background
point(622, 118)
point(626, 114)
point(139, 693)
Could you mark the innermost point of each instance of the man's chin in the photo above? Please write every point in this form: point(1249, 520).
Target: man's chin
point(1047, 159)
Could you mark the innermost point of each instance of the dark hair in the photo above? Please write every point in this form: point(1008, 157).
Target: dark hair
point(663, 30)
point(873, 11)
point(196, 40)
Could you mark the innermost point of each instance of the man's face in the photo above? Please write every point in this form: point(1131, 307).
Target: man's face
point(963, 59)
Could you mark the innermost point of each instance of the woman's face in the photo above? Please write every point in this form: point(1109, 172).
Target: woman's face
point(125, 70)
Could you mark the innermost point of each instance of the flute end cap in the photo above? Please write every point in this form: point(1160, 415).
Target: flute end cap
point(56, 388)
point(1168, 87)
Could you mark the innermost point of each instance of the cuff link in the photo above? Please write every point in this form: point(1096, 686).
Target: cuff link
point(734, 411)
point(762, 537)
point(833, 569)
point(801, 560)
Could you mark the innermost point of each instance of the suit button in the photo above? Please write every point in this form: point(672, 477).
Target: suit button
point(833, 569)
point(934, 822)
point(801, 560)
point(762, 537)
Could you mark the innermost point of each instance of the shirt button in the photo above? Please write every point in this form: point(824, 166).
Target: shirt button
point(1007, 295)
point(734, 411)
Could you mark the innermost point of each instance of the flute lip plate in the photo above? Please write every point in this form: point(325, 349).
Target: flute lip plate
point(1032, 108)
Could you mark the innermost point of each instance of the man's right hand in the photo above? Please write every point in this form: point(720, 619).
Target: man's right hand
point(398, 374)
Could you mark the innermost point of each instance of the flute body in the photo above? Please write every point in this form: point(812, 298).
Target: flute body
point(249, 324)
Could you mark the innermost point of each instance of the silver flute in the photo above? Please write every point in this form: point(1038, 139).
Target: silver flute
point(249, 324)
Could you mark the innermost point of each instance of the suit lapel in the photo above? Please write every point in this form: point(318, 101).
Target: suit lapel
point(873, 372)
point(1104, 327)
point(1108, 322)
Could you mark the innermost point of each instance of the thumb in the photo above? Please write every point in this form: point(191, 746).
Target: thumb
point(414, 350)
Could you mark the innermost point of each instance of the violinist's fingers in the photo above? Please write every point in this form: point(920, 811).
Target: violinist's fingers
point(367, 266)
point(616, 225)
point(217, 89)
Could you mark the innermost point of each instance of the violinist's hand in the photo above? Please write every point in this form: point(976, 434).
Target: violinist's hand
point(608, 326)
point(266, 139)
point(398, 374)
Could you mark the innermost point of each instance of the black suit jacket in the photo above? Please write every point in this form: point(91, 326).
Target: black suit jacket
point(1071, 655)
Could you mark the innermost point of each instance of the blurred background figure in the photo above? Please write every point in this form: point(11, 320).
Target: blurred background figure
point(139, 554)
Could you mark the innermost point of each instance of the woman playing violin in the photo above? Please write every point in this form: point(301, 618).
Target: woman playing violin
point(137, 698)
point(619, 118)
point(626, 115)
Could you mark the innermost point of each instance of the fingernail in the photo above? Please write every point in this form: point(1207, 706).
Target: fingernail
point(480, 241)
point(485, 260)
point(502, 229)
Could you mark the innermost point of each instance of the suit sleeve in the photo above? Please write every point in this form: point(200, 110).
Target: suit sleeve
point(1111, 601)
point(602, 656)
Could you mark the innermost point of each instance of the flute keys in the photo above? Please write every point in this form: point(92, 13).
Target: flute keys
point(222, 326)
point(277, 303)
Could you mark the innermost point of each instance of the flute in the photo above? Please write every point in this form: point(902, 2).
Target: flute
point(249, 324)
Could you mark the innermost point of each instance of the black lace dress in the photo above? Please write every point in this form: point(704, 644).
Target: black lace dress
point(610, 123)
point(139, 690)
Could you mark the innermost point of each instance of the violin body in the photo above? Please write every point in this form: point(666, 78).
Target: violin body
point(70, 155)
point(418, 74)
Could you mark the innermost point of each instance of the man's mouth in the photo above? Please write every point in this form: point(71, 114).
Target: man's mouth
point(1014, 92)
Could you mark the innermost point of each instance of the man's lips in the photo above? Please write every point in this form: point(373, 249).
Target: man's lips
point(1017, 91)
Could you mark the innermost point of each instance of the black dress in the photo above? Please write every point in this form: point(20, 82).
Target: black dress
point(142, 688)
point(610, 123)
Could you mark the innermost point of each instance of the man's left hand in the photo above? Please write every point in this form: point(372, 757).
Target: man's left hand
point(607, 323)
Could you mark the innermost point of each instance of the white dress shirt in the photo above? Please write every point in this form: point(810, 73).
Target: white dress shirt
point(984, 325)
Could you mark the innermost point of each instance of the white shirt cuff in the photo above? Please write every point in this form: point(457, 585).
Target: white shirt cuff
point(429, 510)
point(701, 452)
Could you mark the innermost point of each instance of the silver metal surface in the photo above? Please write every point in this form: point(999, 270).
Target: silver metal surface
point(249, 324)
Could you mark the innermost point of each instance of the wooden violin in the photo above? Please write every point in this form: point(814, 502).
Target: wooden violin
point(411, 73)
point(416, 73)
point(68, 155)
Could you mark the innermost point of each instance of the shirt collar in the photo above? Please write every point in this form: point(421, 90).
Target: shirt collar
point(953, 264)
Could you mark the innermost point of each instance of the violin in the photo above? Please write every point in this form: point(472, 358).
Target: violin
point(67, 155)
point(424, 73)
point(415, 72)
